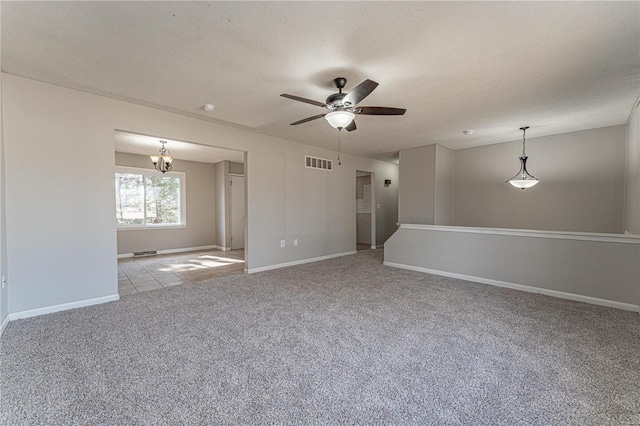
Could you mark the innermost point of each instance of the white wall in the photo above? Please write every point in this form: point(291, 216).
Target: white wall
point(581, 183)
point(632, 175)
point(60, 223)
point(200, 210)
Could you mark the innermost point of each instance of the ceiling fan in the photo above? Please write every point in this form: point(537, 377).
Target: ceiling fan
point(343, 106)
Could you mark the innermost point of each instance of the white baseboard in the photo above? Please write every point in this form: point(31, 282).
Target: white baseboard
point(63, 307)
point(297, 262)
point(4, 324)
point(181, 250)
point(529, 289)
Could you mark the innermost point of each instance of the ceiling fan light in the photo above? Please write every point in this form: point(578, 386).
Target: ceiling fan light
point(340, 119)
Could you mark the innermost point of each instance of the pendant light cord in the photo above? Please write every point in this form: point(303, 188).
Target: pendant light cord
point(524, 139)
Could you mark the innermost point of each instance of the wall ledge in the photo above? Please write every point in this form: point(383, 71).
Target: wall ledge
point(528, 289)
point(561, 235)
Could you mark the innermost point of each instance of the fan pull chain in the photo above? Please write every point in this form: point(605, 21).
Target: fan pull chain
point(339, 147)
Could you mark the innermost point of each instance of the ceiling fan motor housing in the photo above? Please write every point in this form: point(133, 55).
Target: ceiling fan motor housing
point(335, 100)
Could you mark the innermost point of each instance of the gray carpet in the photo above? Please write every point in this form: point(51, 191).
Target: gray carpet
point(345, 341)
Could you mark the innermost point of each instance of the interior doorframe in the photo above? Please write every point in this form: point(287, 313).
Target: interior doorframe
point(244, 212)
point(374, 207)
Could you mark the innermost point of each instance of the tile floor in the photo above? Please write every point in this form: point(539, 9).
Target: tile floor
point(136, 274)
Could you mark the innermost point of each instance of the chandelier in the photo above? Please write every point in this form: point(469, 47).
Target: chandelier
point(162, 162)
point(523, 179)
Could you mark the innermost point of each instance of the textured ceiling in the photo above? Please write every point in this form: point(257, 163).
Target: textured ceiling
point(133, 143)
point(488, 66)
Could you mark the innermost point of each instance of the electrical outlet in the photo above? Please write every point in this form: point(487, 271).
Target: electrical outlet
point(282, 243)
point(378, 205)
point(295, 241)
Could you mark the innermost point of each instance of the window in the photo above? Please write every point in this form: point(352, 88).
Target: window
point(148, 199)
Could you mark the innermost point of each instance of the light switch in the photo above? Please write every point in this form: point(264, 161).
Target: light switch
point(295, 241)
point(282, 243)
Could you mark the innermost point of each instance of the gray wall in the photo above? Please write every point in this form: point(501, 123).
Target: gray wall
point(443, 195)
point(223, 169)
point(363, 220)
point(222, 211)
point(61, 231)
point(599, 269)
point(417, 185)
point(200, 207)
point(632, 175)
point(426, 185)
point(386, 197)
point(4, 307)
point(236, 168)
point(581, 183)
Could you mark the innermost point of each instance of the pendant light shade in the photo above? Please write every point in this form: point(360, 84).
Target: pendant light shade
point(523, 179)
point(162, 162)
point(340, 119)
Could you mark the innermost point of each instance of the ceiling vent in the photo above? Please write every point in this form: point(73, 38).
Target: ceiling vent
point(318, 163)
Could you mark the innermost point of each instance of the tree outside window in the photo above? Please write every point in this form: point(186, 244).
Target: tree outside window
point(144, 199)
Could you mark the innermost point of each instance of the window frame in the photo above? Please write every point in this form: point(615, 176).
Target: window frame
point(152, 172)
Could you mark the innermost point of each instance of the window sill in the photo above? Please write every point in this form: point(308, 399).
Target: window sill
point(150, 227)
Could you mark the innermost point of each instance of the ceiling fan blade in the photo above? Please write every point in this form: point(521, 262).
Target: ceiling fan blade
point(359, 92)
point(304, 120)
point(351, 127)
point(305, 100)
point(379, 111)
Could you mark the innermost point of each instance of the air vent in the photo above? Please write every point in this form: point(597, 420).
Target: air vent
point(144, 253)
point(318, 163)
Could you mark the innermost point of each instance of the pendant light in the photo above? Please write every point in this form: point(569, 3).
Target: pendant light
point(523, 179)
point(162, 162)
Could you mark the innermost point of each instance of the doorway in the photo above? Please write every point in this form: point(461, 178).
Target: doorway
point(365, 211)
point(176, 227)
point(237, 212)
